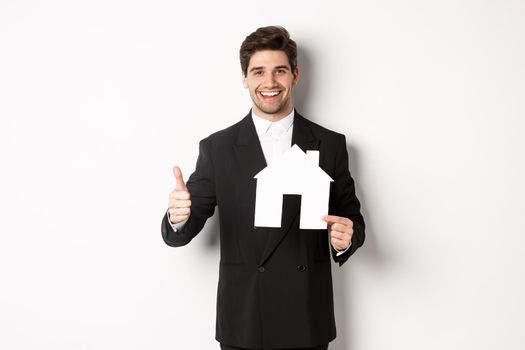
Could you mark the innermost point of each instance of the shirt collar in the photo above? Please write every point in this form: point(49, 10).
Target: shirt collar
point(262, 125)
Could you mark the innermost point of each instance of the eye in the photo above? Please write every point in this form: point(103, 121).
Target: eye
point(258, 73)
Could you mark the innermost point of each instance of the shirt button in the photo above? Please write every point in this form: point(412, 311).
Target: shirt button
point(301, 268)
point(261, 269)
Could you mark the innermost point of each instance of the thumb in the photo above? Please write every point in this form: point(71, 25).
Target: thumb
point(181, 185)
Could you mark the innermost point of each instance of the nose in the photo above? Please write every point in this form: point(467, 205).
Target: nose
point(270, 81)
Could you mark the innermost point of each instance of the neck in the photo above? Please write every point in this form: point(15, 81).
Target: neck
point(275, 117)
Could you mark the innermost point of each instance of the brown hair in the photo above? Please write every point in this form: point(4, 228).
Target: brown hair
point(268, 38)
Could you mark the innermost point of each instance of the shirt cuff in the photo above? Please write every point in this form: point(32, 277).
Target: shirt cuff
point(340, 252)
point(178, 226)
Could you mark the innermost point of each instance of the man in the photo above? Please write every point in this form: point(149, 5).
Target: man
point(275, 284)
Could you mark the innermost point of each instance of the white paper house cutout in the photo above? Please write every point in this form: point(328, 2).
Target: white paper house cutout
point(294, 172)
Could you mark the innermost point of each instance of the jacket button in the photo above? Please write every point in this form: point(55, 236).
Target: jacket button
point(261, 269)
point(301, 268)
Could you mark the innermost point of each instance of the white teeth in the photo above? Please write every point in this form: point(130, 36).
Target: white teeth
point(270, 93)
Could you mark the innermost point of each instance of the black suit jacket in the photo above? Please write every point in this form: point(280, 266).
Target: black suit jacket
point(275, 284)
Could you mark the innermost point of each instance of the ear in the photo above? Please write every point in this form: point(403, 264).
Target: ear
point(295, 76)
point(244, 80)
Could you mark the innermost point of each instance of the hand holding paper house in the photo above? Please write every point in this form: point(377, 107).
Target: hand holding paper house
point(295, 172)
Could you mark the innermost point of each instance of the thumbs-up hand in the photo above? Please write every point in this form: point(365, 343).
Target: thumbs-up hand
point(180, 203)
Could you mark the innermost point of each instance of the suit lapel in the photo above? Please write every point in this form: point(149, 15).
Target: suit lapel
point(250, 158)
point(248, 149)
point(303, 137)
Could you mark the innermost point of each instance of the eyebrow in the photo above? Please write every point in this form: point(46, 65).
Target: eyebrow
point(261, 68)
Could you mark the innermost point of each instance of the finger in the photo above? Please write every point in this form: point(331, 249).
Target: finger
point(172, 205)
point(344, 241)
point(179, 195)
point(176, 219)
point(340, 235)
point(333, 219)
point(339, 244)
point(181, 185)
point(338, 227)
point(342, 228)
point(347, 239)
point(179, 203)
point(181, 211)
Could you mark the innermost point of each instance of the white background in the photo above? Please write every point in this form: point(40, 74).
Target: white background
point(99, 99)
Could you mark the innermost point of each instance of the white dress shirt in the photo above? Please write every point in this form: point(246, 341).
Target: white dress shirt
point(275, 139)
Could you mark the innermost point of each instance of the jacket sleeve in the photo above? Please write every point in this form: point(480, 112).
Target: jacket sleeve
point(201, 185)
point(343, 202)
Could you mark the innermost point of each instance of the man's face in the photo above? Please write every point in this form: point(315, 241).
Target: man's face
point(270, 81)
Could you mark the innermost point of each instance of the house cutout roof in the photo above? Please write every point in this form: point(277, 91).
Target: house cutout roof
point(295, 163)
point(294, 172)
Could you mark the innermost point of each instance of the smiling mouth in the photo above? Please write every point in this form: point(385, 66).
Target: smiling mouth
point(269, 94)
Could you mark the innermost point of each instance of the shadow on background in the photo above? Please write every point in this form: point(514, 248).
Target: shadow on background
point(302, 90)
point(370, 252)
